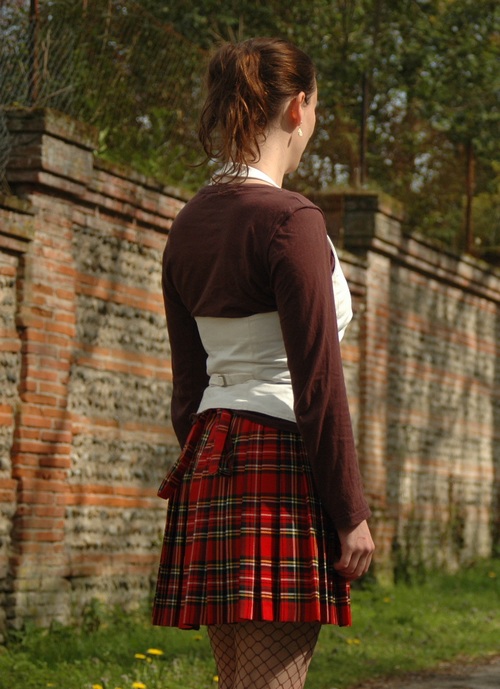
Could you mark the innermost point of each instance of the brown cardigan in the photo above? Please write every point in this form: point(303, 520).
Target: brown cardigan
point(240, 249)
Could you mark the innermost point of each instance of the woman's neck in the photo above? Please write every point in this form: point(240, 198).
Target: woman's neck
point(273, 161)
point(247, 174)
point(256, 173)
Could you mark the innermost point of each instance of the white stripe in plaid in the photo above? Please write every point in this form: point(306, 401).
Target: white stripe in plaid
point(245, 536)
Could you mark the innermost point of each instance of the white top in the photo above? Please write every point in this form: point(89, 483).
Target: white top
point(247, 361)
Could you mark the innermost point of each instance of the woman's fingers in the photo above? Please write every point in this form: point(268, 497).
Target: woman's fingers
point(356, 553)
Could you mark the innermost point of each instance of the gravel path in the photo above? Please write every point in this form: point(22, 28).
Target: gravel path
point(484, 674)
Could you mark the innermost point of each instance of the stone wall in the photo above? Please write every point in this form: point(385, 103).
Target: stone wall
point(429, 373)
point(84, 403)
point(16, 231)
point(85, 433)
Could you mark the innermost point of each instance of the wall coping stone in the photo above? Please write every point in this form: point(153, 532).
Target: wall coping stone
point(372, 225)
point(53, 122)
point(129, 174)
point(358, 200)
point(50, 149)
point(16, 223)
point(61, 126)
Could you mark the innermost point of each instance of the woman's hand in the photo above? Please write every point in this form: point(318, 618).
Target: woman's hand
point(356, 551)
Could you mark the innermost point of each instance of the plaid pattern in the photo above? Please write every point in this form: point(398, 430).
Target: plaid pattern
point(245, 536)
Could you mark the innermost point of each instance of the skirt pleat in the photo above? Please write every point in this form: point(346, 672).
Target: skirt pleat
point(246, 538)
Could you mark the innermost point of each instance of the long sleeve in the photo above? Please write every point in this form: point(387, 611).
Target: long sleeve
point(302, 283)
point(239, 250)
point(188, 359)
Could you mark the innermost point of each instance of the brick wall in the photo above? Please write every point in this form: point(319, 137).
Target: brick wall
point(16, 231)
point(429, 374)
point(85, 434)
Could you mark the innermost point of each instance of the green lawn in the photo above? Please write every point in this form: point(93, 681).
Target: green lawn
point(398, 629)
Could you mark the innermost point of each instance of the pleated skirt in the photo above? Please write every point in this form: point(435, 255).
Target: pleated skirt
point(245, 537)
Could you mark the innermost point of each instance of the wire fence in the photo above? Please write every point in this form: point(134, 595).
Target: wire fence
point(108, 63)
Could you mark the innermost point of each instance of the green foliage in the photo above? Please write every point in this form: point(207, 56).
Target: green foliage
point(409, 628)
point(114, 66)
point(421, 78)
point(396, 629)
point(427, 73)
point(110, 649)
point(487, 214)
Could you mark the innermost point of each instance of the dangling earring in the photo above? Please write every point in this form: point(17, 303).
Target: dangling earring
point(299, 131)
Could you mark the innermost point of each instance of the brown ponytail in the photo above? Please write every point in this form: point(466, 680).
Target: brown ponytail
point(247, 84)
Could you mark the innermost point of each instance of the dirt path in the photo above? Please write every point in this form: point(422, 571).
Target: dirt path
point(484, 674)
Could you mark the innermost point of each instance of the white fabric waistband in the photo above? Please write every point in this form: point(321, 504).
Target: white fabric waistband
point(226, 379)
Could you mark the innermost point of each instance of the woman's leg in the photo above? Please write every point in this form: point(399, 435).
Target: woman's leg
point(274, 655)
point(263, 655)
point(223, 642)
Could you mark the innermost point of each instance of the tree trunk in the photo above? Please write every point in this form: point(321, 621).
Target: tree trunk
point(470, 183)
point(363, 136)
point(34, 72)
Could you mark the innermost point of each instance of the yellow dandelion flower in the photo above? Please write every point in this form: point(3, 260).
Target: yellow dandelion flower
point(198, 637)
point(215, 678)
point(97, 686)
point(155, 652)
point(492, 575)
point(353, 642)
point(387, 599)
point(140, 656)
point(138, 685)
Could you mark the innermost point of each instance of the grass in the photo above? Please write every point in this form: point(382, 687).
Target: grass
point(396, 630)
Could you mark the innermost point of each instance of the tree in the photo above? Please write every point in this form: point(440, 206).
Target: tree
point(408, 92)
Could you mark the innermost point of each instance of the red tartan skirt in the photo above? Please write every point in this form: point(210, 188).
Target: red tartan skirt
point(245, 537)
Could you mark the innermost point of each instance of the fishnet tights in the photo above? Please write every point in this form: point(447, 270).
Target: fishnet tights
point(263, 655)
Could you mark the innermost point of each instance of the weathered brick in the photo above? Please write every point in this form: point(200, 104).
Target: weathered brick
point(85, 381)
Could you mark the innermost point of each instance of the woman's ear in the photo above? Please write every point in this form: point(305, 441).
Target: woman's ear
point(295, 108)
